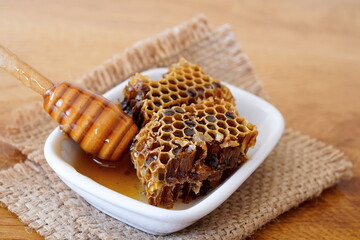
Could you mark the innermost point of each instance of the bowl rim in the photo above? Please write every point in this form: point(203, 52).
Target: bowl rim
point(207, 204)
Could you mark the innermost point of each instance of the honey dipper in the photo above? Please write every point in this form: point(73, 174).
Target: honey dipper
point(98, 125)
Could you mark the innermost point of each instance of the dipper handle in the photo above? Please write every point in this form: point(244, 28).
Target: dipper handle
point(22, 71)
point(98, 125)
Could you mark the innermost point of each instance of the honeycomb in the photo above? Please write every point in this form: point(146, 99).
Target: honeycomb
point(184, 151)
point(185, 83)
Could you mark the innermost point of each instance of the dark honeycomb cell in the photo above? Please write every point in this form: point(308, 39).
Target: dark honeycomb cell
point(211, 119)
point(179, 110)
point(192, 92)
point(230, 115)
point(169, 112)
point(189, 132)
point(190, 123)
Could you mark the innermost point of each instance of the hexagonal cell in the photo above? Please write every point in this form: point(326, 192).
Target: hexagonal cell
point(190, 123)
point(233, 131)
point(154, 84)
point(178, 133)
point(165, 99)
point(231, 123)
point(220, 117)
point(209, 104)
point(179, 125)
point(167, 120)
point(157, 102)
point(189, 83)
point(199, 107)
point(230, 115)
point(174, 96)
point(189, 132)
point(178, 116)
point(210, 119)
point(166, 137)
point(164, 90)
point(172, 81)
point(211, 126)
point(196, 74)
point(187, 70)
point(167, 128)
point(173, 88)
point(200, 129)
point(221, 124)
point(179, 110)
point(188, 76)
point(155, 93)
point(169, 112)
point(180, 78)
point(182, 86)
point(220, 109)
point(183, 94)
point(163, 82)
point(240, 120)
point(241, 128)
point(206, 78)
point(210, 111)
point(166, 147)
point(198, 81)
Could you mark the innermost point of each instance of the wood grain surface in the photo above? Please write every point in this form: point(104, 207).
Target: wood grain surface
point(307, 54)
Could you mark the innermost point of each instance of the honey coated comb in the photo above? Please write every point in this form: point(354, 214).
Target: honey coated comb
point(185, 151)
point(185, 83)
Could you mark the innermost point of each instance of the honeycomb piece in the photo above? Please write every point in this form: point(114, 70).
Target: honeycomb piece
point(183, 152)
point(185, 83)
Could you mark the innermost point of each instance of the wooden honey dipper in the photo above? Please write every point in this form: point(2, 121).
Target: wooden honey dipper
point(98, 125)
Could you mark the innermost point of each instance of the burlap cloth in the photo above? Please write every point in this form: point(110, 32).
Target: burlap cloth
point(298, 169)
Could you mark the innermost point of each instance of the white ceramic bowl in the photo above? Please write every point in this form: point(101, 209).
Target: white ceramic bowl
point(153, 219)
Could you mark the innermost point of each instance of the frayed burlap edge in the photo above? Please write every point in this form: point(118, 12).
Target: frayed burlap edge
point(299, 167)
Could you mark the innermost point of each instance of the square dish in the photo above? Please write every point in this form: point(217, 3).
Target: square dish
point(60, 151)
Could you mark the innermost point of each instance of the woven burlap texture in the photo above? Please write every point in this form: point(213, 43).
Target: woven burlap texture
point(299, 168)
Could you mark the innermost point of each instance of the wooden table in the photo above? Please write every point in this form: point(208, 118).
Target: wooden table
point(307, 54)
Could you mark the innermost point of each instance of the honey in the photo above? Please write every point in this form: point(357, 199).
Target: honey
point(120, 177)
